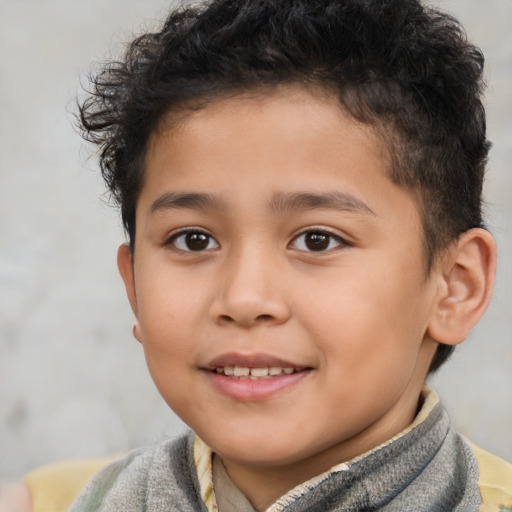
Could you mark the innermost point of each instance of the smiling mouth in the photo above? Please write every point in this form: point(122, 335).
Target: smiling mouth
point(244, 372)
point(254, 377)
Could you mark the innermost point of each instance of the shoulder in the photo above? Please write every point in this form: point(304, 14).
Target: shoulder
point(495, 481)
point(150, 479)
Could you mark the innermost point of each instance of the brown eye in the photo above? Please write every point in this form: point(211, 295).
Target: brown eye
point(196, 241)
point(193, 241)
point(317, 241)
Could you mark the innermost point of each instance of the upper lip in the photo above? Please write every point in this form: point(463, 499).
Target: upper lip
point(251, 361)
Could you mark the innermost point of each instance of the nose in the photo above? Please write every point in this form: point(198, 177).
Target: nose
point(250, 292)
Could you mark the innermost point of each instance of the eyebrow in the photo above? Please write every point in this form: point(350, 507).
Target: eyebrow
point(332, 200)
point(279, 203)
point(192, 200)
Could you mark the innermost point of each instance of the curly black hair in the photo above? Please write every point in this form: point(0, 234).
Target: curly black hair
point(401, 67)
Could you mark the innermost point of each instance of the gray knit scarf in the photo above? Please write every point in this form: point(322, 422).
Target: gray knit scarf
point(429, 469)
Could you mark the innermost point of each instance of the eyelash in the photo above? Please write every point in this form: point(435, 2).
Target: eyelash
point(333, 241)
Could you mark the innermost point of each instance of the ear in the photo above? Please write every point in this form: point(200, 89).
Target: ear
point(126, 269)
point(466, 278)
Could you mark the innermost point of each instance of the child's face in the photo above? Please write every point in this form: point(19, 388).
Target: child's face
point(270, 236)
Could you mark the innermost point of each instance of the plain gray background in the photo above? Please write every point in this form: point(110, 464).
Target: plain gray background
point(72, 380)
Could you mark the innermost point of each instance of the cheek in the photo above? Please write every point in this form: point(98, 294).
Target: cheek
point(365, 321)
point(167, 297)
point(168, 348)
point(166, 320)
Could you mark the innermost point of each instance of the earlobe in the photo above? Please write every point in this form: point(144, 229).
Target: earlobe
point(126, 269)
point(466, 279)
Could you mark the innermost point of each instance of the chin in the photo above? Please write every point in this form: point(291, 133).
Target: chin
point(258, 450)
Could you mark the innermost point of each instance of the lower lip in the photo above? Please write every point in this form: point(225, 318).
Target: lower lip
point(258, 389)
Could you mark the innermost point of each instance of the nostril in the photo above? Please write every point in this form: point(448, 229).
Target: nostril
point(264, 318)
point(227, 319)
point(247, 308)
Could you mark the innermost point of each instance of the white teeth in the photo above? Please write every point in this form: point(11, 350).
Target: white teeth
point(254, 373)
point(259, 372)
point(240, 371)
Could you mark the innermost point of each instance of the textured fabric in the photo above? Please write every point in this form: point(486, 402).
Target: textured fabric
point(495, 481)
point(203, 460)
point(160, 478)
point(427, 468)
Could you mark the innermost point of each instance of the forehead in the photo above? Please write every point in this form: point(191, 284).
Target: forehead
point(288, 140)
point(302, 119)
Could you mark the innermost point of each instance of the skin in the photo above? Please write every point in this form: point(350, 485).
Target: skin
point(359, 316)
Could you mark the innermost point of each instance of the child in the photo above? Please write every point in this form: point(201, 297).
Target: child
point(301, 184)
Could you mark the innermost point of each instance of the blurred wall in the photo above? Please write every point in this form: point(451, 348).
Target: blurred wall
point(72, 380)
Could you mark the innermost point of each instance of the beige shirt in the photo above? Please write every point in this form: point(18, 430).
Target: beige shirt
point(229, 497)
